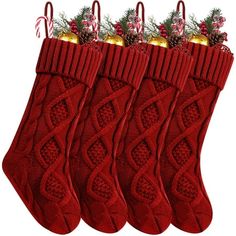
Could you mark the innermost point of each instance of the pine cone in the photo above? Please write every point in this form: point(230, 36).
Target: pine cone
point(131, 39)
point(86, 37)
point(215, 38)
point(174, 40)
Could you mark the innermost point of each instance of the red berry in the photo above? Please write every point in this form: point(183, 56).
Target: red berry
point(163, 31)
point(203, 28)
point(73, 27)
point(118, 29)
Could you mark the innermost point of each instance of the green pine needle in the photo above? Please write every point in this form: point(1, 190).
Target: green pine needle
point(125, 18)
point(80, 17)
point(169, 21)
point(60, 25)
point(192, 26)
point(209, 19)
point(106, 27)
point(151, 28)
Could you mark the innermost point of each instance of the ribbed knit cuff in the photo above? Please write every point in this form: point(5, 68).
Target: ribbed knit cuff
point(211, 63)
point(69, 60)
point(126, 64)
point(170, 65)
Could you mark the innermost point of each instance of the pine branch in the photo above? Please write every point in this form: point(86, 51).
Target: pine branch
point(151, 27)
point(192, 26)
point(125, 18)
point(169, 21)
point(80, 17)
point(106, 27)
point(149, 30)
point(60, 25)
point(210, 18)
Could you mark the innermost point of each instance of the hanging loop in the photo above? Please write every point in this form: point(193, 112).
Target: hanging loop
point(140, 4)
point(48, 19)
point(98, 13)
point(181, 2)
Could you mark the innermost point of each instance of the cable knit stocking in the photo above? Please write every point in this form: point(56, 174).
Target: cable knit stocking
point(92, 167)
point(180, 160)
point(37, 161)
point(142, 140)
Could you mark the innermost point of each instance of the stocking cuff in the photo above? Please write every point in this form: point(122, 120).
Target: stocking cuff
point(126, 64)
point(170, 65)
point(211, 63)
point(69, 60)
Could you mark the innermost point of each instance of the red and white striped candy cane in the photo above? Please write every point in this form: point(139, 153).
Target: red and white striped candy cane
point(96, 26)
point(139, 26)
point(48, 22)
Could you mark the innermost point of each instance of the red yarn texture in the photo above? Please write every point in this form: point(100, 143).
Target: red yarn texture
point(142, 139)
point(92, 167)
point(37, 161)
point(180, 160)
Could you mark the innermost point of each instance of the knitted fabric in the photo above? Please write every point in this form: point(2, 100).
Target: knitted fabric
point(142, 139)
point(92, 167)
point(180, 160)
point(37, 161)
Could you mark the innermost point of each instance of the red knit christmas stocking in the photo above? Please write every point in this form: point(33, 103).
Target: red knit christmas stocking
point(180, 161)
point(93, 173)
point(142, 139)
point(37, 161)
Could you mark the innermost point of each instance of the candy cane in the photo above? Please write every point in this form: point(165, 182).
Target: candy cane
point(181, 26)
point(50, 28)
point(138, 27)
point(49, 23)
point(38, 21)
point(96, 28)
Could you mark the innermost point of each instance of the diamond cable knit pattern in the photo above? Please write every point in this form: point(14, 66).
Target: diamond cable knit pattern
point(92, 167)
point(37, 161)
point(137, 158)
point(180, 160)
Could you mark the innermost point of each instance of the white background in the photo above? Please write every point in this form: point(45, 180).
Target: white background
point(19, 49)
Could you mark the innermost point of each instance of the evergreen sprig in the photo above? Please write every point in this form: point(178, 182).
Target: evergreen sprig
point(209, 19)
point(151, 28)
point(80, 17)
point(106, 27)
point(125, 18)
point(60, 25)
point(192, 26)
point(169, 21)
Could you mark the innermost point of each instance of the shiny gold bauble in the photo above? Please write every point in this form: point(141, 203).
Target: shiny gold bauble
point(115, 39)
point(159, 41)
point(199, 39)
point(69, 37)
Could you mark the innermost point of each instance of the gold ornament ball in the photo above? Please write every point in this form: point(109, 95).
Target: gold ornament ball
point(115, 39)
point(69, 37)
point(199, 39)
point(159, 41)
